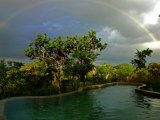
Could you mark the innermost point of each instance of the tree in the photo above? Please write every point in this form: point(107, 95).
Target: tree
point(76, 53)
point(3, 81)
point(9, 75)
point(154, 75)
point(122, 72)
point(59, 51)
point(36, 75)
point(154, 69)
point(140, 58)
point(38, 48)
point(85, 52)
point(103, 73)
point(52, 52)
point(139, 76)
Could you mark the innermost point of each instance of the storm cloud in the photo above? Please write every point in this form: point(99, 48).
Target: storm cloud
point(126, 25)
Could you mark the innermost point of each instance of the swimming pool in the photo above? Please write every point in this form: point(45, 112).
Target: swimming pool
point(118, 102)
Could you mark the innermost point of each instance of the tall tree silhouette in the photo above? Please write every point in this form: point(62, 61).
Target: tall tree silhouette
point(140, 58)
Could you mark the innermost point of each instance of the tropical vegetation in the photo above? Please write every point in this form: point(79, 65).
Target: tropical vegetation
point(62, 65)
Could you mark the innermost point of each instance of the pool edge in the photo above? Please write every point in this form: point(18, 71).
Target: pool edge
point(2, 104)
point(141, 89)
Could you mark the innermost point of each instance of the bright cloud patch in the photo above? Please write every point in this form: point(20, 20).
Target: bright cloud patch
point(152, 16)
point(111, 35)
point(152, 45)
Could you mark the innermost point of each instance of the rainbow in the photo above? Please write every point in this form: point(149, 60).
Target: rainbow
point(150, 34)
point(6, 21)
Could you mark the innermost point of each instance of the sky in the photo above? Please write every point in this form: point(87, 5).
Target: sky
point(126, 25)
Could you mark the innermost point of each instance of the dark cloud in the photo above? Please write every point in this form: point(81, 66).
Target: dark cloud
point(117, 22)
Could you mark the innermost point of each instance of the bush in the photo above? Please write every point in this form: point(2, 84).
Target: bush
point(121, 72)
point(154, 78)
point(140, 76)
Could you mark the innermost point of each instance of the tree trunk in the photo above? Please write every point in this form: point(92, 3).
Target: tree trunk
point(58, 77)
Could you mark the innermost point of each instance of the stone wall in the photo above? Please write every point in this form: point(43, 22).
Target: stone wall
point(142, 90)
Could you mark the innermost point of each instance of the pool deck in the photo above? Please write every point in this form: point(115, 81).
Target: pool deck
point(2, 103)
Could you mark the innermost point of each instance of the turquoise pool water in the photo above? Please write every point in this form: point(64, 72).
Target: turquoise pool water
point(110, 103)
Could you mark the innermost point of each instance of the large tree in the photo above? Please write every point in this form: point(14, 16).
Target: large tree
point(53, 52)
point(76, 53)
point(86, 51)
point(140, 58)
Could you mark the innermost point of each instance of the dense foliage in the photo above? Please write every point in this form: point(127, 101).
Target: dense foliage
point(10, 78)
point(62, 65)
point(57, 66)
